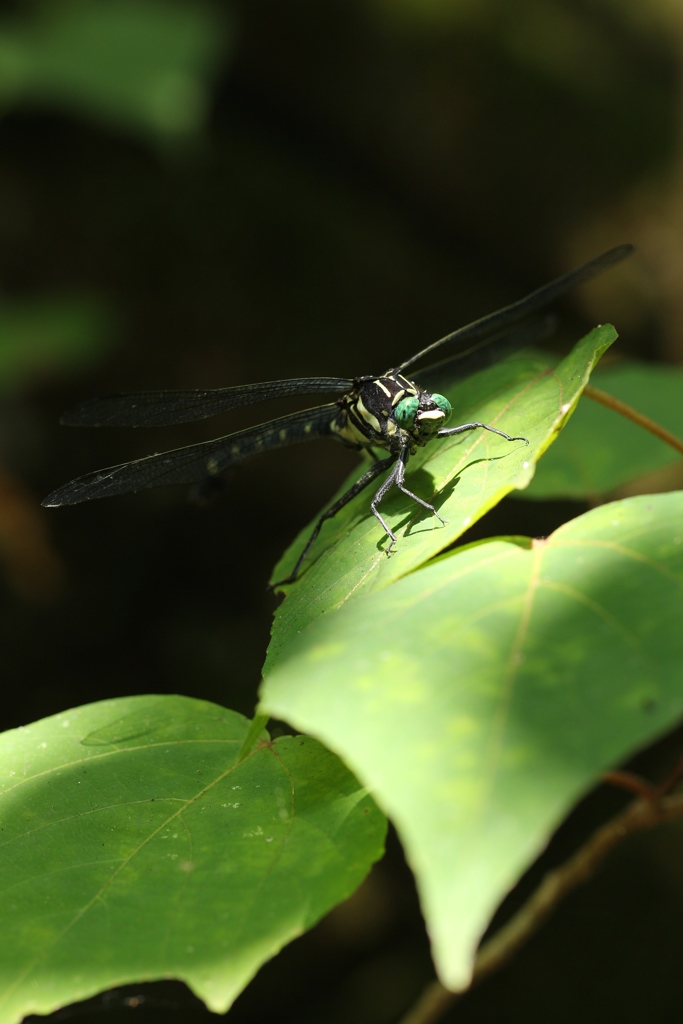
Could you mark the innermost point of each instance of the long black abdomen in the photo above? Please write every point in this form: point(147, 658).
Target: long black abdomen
point(197, 462)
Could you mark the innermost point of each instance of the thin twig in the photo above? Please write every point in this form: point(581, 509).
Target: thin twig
point(634, 784)
point(639, 815)
point(636, 417)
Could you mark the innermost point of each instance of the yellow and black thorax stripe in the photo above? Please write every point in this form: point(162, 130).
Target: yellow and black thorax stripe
point(366, 417)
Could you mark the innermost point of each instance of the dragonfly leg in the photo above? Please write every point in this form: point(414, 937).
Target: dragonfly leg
point(396, 478)
point(361, 483)
point(386, 486)
point(450, 431)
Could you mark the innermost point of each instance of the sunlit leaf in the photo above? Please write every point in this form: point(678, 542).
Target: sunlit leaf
point(481, 696)
point(134, 846)
point(463, 476)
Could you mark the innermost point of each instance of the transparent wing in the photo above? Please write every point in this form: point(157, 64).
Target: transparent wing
point(163, 408)
point(490, 350)
point(495, 323)
point(196, 462)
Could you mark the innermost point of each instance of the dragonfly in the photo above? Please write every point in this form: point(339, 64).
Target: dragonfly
point(389, 413)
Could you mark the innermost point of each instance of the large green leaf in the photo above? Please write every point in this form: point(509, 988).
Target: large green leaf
point(464, 476)
point(602, 450)
point(482, 695)
point(134, 846)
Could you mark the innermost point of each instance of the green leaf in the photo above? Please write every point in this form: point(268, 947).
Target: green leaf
point(50, 333)
point(134, 846)
point(141, 66)
point(601, 450)
point(481, 696)
point(463, 476)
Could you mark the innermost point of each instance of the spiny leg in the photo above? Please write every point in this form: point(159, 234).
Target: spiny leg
point(360, 485)
point(396, 477)
point(450, 431)
point(386, 486)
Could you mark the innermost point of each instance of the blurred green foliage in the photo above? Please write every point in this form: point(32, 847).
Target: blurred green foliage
point(41, 337)
point(600, 450)
point(144, 66)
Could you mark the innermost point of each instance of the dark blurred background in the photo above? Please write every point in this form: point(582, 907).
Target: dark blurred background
point(198, 194)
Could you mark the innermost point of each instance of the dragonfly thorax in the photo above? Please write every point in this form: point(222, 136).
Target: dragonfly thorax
point(389, 412)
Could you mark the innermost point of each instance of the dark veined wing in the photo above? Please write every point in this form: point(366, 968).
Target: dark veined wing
point(481, 330)
point(196, 462)
point(163, 408)
point(491, 350)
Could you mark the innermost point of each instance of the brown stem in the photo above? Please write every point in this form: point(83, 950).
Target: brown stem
point(639, 815)
point(636, 417)
point(641, 787)
point(634, 784)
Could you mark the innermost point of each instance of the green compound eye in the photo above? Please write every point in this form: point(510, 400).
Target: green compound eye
point(405, 412)
point(446, 408)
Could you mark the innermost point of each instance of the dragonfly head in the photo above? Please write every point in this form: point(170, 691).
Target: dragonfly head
point(423, 414)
